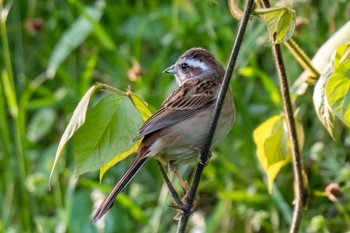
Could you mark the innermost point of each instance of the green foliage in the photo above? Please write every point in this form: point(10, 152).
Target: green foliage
point(331, 94)
point(109, 129)
point(280, 21)
point(338, 85)
point(35, 110)
point(76, 34)
point(104, 134)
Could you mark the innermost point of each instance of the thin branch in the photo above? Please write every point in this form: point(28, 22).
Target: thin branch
point(205, 151)
point(296, 157)
point(301, 57)
point(171, 188)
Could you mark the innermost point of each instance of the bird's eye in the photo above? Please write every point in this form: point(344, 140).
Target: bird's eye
point(184, 66)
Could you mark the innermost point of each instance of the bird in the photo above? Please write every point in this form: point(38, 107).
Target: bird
point(175, 133)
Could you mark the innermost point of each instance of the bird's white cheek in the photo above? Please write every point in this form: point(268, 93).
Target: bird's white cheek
point(179, 79)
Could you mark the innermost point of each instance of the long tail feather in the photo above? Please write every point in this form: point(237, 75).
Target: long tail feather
point(122, 183)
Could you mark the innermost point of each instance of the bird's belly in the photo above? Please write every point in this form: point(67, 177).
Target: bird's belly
point(183, 140)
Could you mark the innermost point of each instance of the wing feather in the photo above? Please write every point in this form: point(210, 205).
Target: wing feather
point(190, 98)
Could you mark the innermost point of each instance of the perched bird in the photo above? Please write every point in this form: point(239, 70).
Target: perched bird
point(176, 132)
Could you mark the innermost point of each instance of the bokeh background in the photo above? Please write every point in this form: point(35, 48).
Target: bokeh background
point(130, 46)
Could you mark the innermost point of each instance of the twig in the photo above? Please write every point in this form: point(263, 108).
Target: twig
point(296, 157)
point(171, 188)
point(301, 57)
point(205, 151)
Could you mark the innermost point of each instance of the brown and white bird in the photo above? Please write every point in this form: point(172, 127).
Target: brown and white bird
point(175, 133)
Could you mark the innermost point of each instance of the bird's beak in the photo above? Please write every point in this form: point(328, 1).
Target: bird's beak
point(170, 70)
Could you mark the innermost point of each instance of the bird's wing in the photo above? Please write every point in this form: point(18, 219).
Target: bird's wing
point(189, 99)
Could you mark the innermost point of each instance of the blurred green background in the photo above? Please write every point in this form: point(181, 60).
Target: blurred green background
point(131, 44)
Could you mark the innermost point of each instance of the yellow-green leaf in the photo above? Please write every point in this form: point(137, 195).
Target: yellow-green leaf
point(141, 107)
point(279, 20)
point(273, 145)
point(118, 158)
point(323, 110)
point(338, 86)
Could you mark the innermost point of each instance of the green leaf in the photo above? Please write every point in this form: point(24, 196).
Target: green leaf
point(273, 145)
point(286, 26)
point(74, 36)
point(279, 20)
point(118, 158)
point(41, 124)
point(145, 113)
point(321, 105)
point(108, 131)
point(74, 124)
point(338, 85)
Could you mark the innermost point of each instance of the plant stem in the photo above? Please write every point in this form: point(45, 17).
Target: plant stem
point(10, 93)
point(301, 57)
point(296, 157)
point(205, 151)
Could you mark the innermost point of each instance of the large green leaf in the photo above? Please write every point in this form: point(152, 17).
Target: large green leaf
point(273, 145)
point(338, 85)
point(145, 113)
point(108, 131)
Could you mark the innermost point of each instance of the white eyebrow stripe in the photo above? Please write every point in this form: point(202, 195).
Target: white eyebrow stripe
point(197, 63)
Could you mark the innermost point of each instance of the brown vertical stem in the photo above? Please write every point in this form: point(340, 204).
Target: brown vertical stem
point(296, 156)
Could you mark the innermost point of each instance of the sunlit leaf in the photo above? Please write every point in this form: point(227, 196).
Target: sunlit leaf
point(108, 131)
point(286, 26)
point(141, 107)
point(279, 20)
point(273, 145)
point(118, 158)
point(74, 36)
point(338, 85)
point(74, 124)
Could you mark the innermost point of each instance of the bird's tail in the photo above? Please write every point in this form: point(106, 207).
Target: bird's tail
point(122, 183)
